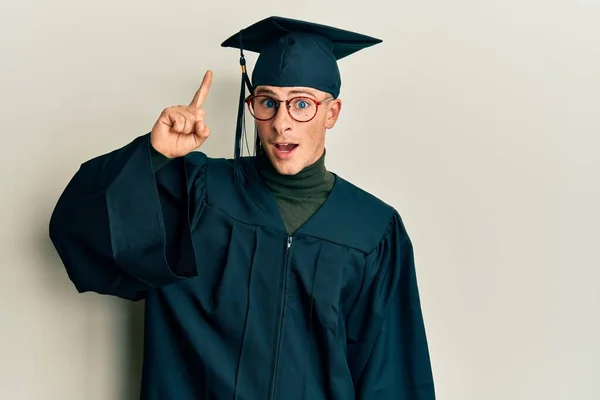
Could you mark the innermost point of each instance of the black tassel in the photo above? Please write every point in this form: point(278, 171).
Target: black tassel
point(239, 131)
point(240, 172)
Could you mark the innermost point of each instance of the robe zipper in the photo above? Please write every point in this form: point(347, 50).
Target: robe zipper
point(285, 267)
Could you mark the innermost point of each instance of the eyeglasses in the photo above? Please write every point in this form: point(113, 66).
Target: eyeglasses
point(301, 109)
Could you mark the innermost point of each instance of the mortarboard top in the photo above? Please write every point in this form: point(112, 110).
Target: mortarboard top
point(293, 53)
point(298, 53)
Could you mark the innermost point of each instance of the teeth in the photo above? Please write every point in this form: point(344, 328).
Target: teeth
point(285, 147)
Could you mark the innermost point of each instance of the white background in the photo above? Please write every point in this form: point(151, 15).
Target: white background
point(478, 120)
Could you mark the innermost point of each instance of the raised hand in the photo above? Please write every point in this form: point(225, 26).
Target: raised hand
point(181, 129)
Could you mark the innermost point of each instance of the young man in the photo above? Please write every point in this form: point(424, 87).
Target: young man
point(283, 281)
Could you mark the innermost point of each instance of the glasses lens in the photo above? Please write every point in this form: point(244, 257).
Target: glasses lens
point(262, 107)
point(302, 108)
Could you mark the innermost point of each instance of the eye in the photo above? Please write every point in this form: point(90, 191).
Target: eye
point(268, 103)
point(302, 104)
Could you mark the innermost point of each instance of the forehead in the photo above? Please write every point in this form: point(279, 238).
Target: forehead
point(283, 92)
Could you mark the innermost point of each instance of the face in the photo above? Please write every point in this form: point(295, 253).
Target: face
point(290, 145)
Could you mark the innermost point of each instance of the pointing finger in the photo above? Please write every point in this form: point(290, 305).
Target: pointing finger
point(202, 92)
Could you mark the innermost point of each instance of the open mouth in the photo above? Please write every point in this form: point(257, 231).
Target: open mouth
point(284, 150)
point(285, 147)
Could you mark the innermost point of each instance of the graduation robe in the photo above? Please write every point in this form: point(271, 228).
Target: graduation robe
point(235, 307)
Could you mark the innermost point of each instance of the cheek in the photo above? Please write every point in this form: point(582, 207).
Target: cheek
point(315, 137)
point(317, 132)
point(263, 129)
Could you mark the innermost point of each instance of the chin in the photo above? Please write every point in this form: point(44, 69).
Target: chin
point(286, 168)
point(289, 166)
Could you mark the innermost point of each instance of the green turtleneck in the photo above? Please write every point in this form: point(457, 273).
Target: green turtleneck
point(298, 196)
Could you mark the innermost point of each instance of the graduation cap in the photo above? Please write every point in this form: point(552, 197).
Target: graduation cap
point(292, 53)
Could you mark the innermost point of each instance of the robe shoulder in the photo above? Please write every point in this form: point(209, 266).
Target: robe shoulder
point(354, 218)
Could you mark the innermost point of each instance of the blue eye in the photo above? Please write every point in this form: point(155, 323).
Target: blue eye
point(269, 103)
point(302, 104)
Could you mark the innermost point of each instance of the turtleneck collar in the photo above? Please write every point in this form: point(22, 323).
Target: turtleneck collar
point(313, 180)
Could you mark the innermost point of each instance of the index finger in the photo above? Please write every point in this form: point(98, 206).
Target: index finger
point(202, 92)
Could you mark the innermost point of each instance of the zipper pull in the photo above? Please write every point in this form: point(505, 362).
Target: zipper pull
point(289, 242)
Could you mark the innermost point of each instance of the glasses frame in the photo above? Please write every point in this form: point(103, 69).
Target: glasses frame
point(287, 106)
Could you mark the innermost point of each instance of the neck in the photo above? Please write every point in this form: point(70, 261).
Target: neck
point(310, 181)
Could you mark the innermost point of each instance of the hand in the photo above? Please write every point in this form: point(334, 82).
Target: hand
point(181, 129)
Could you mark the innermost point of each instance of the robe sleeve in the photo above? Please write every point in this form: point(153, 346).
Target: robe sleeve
point(121, 226)
point(386, 342)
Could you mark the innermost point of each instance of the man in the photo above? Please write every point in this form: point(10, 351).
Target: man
point(280, 281)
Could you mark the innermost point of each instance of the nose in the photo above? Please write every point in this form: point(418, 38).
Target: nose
point(282, 122)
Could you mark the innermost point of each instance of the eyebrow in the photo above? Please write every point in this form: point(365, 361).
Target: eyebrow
point(293, 92)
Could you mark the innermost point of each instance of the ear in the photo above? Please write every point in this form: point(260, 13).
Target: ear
point(333, 112)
